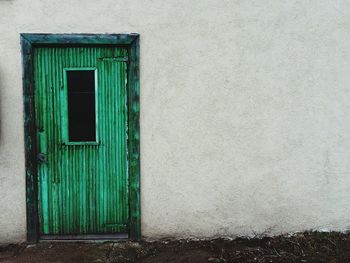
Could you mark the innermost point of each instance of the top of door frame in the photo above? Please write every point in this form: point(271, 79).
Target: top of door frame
point(131, 40)
point(79, 39)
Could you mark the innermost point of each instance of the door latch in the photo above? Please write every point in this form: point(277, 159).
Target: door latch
point(42, 158)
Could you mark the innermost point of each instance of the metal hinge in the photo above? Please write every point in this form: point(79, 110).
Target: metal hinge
point(116, 59)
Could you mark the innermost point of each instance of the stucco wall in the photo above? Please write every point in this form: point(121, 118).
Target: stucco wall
point(245, 111)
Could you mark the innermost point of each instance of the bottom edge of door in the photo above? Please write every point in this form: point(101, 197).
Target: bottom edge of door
point(117, 236)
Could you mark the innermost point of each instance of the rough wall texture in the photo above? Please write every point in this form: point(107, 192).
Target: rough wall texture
point(245, 111)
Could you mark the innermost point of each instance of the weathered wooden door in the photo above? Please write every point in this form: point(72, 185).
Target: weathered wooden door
point(81, 120)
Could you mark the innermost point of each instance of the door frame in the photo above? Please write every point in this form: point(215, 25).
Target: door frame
point(30, 41)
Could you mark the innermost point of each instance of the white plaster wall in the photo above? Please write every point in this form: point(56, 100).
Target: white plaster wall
point(245, 111)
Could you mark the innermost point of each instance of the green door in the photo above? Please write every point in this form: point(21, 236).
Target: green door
point(81, 121)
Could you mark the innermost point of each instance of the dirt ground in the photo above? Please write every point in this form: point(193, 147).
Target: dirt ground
point(303, 247)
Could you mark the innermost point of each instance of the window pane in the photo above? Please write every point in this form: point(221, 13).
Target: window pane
point(81, 105)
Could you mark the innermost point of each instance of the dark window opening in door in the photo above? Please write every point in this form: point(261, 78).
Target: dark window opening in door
point(81, 105)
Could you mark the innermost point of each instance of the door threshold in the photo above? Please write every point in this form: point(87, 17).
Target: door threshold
point(87, 237)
